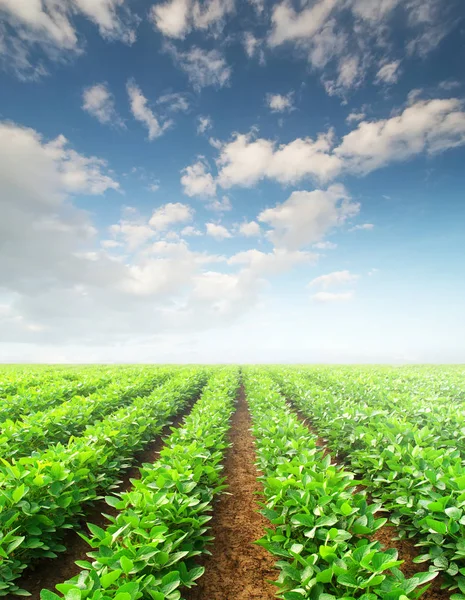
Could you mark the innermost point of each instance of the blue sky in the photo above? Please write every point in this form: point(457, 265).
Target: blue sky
point(192, 181)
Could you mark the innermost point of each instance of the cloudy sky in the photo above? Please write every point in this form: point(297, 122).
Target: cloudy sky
point(214, 180)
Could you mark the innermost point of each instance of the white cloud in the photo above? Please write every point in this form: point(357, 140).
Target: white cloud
point(253, 46)
point(363, 227)
point(289, 25)
point(177, 18)
point(170, 214)
point(328, 297)
point(133, 233)
point(154, 187)
point(196, 181)
point(191, 231)
point(280, 103)
point(250, 229)
point(389, 73)
point(355, 117)
point(175, 102)
point(172, 17)
point(306, 217)
point(246, 160)
point(334, 279)
point(49, 26)
point(218, 205)
point(203, 124)
point(278, 261)
point(344, 39)
point(142, 113)
point(428, 126)
point(110, 244)
point(202, 67)
point(99, 102)
point(325, 246)
point(219, 232)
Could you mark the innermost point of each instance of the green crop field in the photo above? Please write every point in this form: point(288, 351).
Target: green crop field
point(228, 482)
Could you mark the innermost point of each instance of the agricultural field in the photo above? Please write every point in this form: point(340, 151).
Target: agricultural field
point(228, 482)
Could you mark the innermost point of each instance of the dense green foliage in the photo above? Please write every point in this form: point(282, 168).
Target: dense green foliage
point(68, 433)
point(405, 436)
point(147, 550)
point(321, 524)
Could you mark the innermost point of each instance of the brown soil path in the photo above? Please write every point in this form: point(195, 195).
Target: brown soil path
point(238, 569)
point(46, 573)
point(387, 534)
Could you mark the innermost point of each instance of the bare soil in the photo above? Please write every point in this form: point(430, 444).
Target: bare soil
point(237, 568)
point(46, 573)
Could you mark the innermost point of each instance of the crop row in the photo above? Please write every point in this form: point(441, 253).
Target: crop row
point(50, 393)
point(421, 483)
point(320, 524)
point(57, 424)
point(148, 549)
point(45, 493)
point(423, 405)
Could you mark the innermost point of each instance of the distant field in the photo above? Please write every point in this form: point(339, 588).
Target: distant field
point(350, 479)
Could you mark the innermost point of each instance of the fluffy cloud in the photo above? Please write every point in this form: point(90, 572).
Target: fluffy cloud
point(253, 46)
point(341, 38)
point(61, 284)
point(328, 297)
point(426, 126)
point(203, 124)
point(177, 18)
point(246, 160)
point(218, 232)
point(171, 214)
point(334, 279)
point(280, 103)
point(202, 67)
point(142, 113)
point(306, 217)
point(325, 246)
point(220, 205)
point(429, 126)
point(355, 117)
point(389, 73)
point(271, 263)
point(174, 102)
point(250, 229)
point(363, 227)
point(196, 181)
point(99, 102)
point(191, 231)
point(49, 25)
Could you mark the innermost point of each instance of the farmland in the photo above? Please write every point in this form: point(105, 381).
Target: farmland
point(222, 482)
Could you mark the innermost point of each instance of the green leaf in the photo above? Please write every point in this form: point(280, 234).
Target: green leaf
point(170, 582)
point(126, 564)
point(19, 493)
point(109, 578)
point(346, 509)
point(437, 526)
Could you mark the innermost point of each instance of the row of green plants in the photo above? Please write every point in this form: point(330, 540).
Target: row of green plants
point(424, 401)
point(18, 378)
point(49, 393)
point(149, 549)
point(419, 480)
point(44, 494)
point(320, 525)
point(37, 431)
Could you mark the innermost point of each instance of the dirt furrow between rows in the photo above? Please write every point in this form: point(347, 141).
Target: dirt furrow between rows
point(46, 573)
point(388, 534)
point(237, 568)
